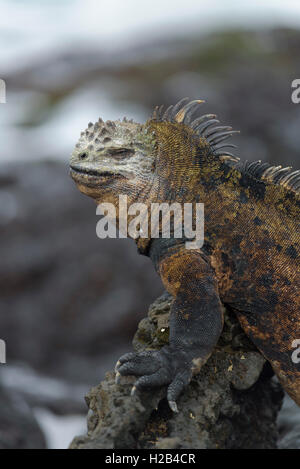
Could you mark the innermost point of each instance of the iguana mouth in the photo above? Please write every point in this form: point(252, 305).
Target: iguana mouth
point(91, 176)
point(91, 172)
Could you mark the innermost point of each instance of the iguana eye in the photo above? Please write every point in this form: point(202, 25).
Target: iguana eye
point(121, 153)
point(82, 156)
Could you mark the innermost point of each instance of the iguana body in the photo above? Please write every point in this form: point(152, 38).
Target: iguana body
point(250, 257)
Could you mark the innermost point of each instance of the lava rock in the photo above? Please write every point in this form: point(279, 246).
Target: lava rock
point(232, 403)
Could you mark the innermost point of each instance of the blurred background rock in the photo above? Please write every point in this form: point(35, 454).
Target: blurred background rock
point(70, 303)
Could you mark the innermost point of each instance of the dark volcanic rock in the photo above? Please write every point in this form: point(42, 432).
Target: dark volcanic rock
point(232, 403)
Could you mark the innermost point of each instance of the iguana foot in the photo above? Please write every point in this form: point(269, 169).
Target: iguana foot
point(157, 368)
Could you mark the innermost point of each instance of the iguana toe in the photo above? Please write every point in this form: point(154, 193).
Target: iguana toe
point(155, 369)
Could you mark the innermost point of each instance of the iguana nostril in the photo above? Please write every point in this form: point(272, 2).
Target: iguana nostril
point(83, 156)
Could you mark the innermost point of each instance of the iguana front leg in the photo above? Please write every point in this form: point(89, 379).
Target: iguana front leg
point(196, 322)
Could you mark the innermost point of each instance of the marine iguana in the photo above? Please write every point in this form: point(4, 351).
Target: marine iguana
point(250, 256)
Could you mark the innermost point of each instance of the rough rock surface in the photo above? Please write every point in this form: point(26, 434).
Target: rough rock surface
point(232, 403)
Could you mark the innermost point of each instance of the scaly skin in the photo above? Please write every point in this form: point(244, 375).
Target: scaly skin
point(250, 256)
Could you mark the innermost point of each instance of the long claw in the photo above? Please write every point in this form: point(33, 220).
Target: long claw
point(133, 391)
point(173, 406)
point(118, 377)
point(117, 365)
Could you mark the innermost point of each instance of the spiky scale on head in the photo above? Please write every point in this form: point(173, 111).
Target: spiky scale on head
point(101, 133)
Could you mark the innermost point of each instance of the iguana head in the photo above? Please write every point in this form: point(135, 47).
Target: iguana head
point(113, 158)
point(159, 160)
